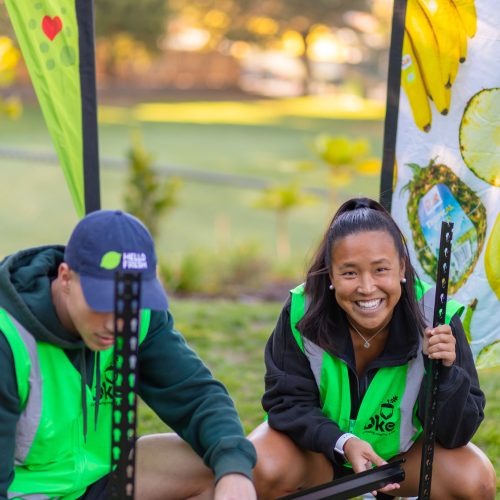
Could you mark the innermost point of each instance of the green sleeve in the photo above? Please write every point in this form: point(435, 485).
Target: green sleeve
point(178, 386)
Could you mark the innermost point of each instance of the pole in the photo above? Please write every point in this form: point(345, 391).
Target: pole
point(124, 419)
point(433, 366)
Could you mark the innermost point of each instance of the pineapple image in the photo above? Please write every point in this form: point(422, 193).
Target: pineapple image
point(437, 194)
point(480, 135)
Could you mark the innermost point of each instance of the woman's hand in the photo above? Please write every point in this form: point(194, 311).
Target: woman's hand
point(439, 343)
point(361, 456)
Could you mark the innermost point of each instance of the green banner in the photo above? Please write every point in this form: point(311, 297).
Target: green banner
point(56, 40)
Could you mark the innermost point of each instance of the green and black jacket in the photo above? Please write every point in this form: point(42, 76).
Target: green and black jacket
point(173, 381)
point(293, 402)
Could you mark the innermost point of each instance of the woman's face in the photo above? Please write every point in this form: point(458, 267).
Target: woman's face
point(367, 273)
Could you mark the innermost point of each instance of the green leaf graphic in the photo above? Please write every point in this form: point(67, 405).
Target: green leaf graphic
point(111, 260)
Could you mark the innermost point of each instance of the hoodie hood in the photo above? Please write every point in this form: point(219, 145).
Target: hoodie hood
point(25, 292)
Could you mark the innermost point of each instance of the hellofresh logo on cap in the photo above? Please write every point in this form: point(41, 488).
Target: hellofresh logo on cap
point(129, 260)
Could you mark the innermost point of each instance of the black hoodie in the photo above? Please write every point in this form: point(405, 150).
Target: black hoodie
point(292, 399)
point(173, 381)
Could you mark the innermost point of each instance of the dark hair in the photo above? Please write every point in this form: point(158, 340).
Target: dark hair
point(354, 216)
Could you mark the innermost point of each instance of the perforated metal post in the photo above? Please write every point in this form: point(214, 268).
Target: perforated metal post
point(353, 485)
point(433, 367)
point(127, 300)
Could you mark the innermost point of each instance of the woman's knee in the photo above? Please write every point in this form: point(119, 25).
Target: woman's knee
point(278, 462)
point(458, 473)
point(282, 467)
point(478, 477)
point(464, 473)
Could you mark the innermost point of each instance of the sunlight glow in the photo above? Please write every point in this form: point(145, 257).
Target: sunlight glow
point(262, 25)
point(189, 39)
point(325, 48)
point(216, 19)
point(293, 43)
point(240, 49)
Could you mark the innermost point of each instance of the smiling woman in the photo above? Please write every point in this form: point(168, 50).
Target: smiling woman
point(366, 274)
point(345, 371)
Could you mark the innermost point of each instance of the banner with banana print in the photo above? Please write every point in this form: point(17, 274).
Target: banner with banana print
point(57, 42)
point(442, 152)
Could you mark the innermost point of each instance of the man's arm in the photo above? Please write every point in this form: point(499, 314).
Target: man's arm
point(9, 415)
point(178, 386)
point(235, 486)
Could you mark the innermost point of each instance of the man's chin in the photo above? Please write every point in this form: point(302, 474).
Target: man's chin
point(101, 343)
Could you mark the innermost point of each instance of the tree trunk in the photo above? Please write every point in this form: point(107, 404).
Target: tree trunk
point(308, 77)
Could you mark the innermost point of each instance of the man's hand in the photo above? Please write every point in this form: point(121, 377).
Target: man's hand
point(235, 487)
point(439, 343)
point(361, 456)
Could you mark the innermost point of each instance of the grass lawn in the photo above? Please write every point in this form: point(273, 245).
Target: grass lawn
point(264, 140)
point(230, 337)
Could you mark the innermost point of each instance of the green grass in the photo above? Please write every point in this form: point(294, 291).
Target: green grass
point(36, 209)
point(230, 337)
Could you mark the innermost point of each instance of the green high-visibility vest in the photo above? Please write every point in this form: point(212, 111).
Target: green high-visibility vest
point(52, 458)
point(387, 414)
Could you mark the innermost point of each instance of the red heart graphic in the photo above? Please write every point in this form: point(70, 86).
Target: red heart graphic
point(51, 26)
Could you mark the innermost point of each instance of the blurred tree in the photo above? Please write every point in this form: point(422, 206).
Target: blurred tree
point(9, 58)
point(281, 199)
point(268, 21)
point(142, 22)
point(147, 196)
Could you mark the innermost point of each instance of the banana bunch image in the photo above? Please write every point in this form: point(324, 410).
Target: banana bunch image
point(434, 45)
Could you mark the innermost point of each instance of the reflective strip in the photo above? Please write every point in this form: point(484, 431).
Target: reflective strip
point(31, 496)
point(30, 417)
point(426, 304)
point(315, 355)
point(313, 352)
point(414, 377)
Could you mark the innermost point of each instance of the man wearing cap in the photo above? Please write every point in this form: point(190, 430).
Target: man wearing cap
point(56, 338)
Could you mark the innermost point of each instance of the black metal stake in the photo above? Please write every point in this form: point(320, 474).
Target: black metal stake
point(354, 485)
point(433, 367)
point(124, 417)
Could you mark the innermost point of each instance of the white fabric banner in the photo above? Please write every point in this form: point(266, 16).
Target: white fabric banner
point(447, 162)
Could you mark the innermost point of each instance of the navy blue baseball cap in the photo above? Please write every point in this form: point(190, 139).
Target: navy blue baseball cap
point(107, 241)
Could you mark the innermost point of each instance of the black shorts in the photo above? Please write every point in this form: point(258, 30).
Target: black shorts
point(97, 490)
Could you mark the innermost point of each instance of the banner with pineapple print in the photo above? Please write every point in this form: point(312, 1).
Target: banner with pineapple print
point(57, 42)
point(445, 161)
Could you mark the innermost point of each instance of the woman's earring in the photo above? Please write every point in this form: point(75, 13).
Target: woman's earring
point(403, 280)
point(331, 287)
